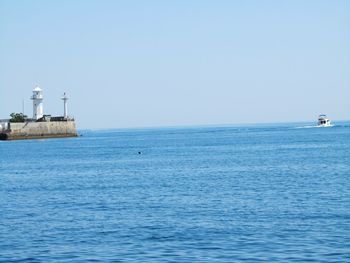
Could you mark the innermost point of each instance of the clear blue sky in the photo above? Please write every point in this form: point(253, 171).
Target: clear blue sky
point(160, 63)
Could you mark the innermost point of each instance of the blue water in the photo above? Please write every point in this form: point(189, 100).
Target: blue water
point(277, 193)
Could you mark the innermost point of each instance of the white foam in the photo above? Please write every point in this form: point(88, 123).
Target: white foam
point(314, 126)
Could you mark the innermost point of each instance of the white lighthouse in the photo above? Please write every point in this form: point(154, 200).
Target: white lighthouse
point(38, 111)
point(65, 108)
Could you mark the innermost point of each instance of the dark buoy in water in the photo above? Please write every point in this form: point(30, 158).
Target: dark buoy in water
point(139, 152)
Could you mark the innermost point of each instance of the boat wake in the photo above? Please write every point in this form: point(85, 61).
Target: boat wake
point(314, 126)
point(306, 127)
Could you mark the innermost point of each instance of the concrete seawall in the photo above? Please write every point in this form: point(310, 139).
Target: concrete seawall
point(36, 130)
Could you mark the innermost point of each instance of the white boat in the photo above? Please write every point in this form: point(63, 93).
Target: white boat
point(323, 121)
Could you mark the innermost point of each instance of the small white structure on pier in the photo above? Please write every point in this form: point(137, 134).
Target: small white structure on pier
point(65, 107)
point(38, 110)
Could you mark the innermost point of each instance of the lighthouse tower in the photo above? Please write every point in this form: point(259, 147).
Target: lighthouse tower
point(38, 111)
point(65, 108)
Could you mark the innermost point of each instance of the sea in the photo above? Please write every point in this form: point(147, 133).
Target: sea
point(249, 193)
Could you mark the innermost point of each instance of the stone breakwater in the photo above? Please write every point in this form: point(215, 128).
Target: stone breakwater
point(38, 130)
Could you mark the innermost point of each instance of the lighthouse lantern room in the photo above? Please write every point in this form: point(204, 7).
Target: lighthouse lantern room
point(38, 111)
